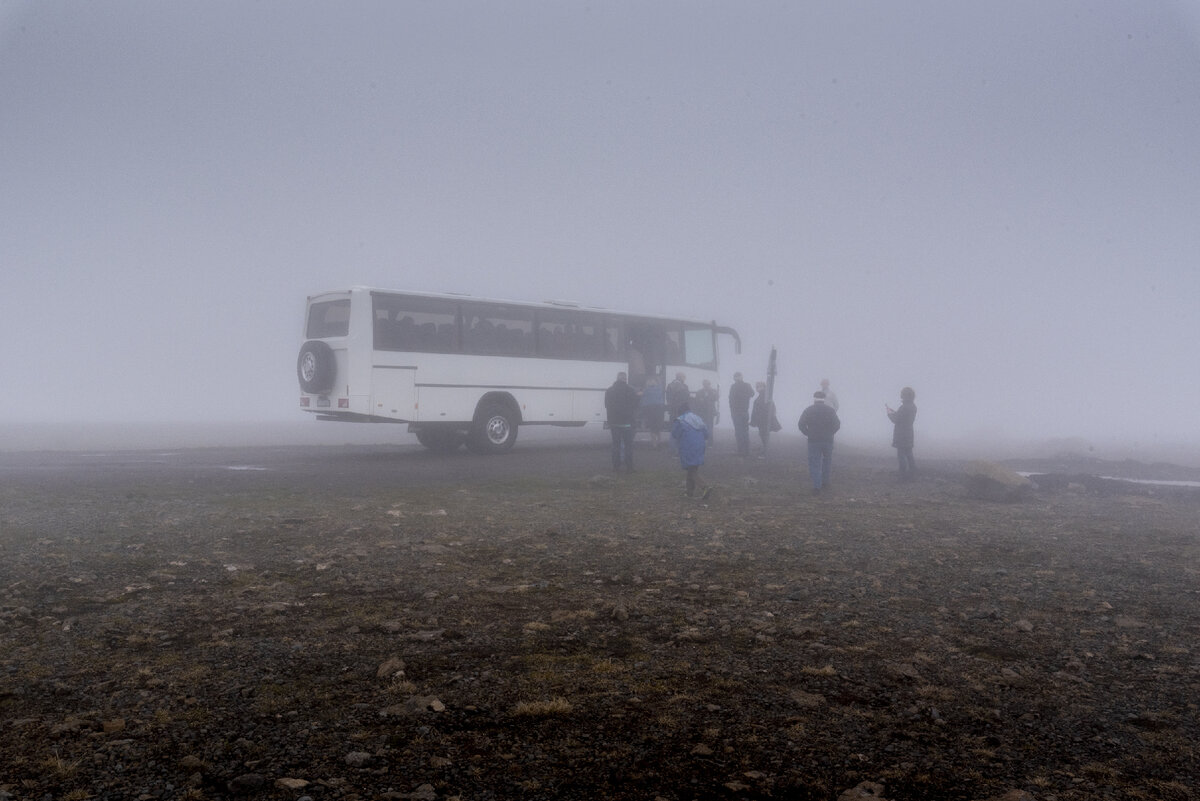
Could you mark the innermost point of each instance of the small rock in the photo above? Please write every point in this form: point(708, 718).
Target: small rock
point(192, 762)
point(290, 784)
point(702, 750)
point(247, 783)
point(392, 667)
point(356, 759)
point(988, 481)
point(863, 792)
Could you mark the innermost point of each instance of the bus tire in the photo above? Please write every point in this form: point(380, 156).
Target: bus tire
point(494, 429)
point(440, 441)
point(316, 367)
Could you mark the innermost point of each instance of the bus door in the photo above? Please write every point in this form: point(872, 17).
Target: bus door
point(647, 350)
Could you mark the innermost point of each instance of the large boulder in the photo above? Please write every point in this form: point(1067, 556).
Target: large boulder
point(988, 481)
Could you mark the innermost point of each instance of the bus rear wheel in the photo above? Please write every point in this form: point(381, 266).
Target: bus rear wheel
point(494, 430)
point(441, 441)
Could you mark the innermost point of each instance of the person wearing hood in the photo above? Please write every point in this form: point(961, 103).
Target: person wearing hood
point(689, 433)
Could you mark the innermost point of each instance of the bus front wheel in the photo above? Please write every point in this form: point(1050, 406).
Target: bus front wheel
point(494, 430)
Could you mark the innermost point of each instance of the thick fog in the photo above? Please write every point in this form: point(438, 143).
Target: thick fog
point(994, 203)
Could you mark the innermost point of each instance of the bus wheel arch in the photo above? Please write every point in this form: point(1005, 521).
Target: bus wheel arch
point(316, 367)
point(440, 440)
point(494, 427)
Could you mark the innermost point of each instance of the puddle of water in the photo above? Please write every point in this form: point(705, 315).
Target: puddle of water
point(1147, 481)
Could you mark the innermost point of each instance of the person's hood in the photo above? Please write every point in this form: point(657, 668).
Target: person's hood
point(692, 419)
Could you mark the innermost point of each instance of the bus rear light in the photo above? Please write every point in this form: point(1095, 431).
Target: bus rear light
point(304, 401)
point(343, 403)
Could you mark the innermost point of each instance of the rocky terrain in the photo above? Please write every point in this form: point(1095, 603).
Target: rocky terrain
point(574, 634)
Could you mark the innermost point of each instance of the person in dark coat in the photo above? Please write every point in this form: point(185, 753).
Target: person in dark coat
point(678, 394)
point(621, 402)
point(739, 412)
point(902, 432)
point(819, 423)
point(762, 415)
point(688, 433)
point(705, 404)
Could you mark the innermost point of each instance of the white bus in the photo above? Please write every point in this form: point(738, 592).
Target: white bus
point(460, 369)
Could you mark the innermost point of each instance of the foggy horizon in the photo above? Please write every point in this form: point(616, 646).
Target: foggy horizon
point(993, 204)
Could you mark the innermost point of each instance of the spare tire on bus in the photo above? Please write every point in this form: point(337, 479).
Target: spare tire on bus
point(494, 429)
point(316, 367)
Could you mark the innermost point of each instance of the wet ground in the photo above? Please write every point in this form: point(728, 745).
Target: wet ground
point(366, 622)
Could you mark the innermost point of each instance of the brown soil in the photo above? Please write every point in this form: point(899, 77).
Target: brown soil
point(556, 633)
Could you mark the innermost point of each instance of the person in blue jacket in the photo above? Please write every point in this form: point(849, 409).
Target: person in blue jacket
point(689, 432)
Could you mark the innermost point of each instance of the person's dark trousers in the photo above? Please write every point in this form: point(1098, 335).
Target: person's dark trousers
point(741, 430)
point(622, 447)
point(820, 462)
point(907, 465)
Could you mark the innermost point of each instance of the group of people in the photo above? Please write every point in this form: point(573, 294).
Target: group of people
point(693, 418)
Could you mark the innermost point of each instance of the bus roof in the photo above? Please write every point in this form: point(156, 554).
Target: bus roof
point(545, 304)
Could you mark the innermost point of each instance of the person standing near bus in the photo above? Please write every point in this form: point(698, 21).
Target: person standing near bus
point(654, 406)
point(621, 403)
point(739, 412)
point(688, 433)
point(706, 405)
point(678, 395)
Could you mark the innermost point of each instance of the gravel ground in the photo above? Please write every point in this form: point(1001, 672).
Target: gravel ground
point(379, 623)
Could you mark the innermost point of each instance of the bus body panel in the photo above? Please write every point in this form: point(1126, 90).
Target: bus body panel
point(441, 384)
point(393, 392)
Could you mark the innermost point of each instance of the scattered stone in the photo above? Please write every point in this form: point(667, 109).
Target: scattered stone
point(863, 792)
point(356, 759)
point(247, 783)
point(988, 481)
point(192, 762)
point(417, 705)
point(391, 668)
point(620, 613)
point(113, 726)
point(702, 750)
point(290, 784)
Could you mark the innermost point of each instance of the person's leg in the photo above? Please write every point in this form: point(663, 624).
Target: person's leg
point(902, 461)
point(814, 464)
point(691, 481)
point(627, 446)
point(826, 463)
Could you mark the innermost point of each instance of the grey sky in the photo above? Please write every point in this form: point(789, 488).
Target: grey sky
point(995, 203)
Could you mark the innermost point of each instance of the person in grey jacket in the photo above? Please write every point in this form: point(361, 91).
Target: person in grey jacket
point(819, 423)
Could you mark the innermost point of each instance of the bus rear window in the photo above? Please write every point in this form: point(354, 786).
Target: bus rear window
point(328, 318)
